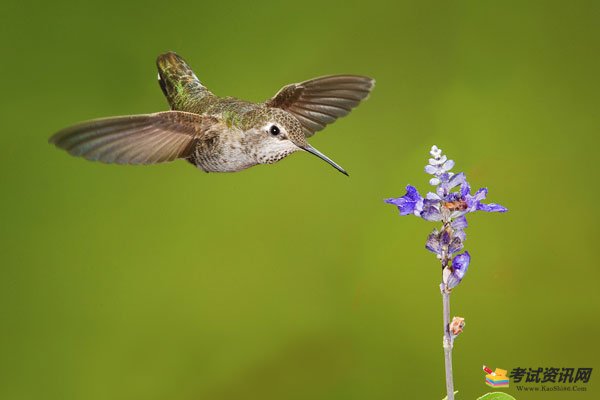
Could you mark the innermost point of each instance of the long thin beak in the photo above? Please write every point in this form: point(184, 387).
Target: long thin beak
point(323, 157)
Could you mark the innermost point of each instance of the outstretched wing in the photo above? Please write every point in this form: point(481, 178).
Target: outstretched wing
point(134, 139)
point(320, 101)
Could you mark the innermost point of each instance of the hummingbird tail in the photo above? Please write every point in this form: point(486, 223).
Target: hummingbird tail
point(178, 82)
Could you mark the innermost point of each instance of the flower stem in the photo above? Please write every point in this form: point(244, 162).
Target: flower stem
point(448, 343)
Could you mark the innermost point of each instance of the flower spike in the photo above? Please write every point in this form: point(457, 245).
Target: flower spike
point(449, 203)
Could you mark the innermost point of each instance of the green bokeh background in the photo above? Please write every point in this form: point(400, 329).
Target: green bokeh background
point(292, 281)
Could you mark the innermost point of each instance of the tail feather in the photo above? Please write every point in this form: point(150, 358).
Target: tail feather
point(178, 82)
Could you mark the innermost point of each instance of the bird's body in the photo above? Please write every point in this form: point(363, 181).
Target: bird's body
point(217, 134)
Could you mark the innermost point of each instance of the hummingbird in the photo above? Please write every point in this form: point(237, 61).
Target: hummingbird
point(217, 134)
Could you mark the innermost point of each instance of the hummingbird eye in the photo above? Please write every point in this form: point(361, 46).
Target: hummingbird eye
point(274, 130)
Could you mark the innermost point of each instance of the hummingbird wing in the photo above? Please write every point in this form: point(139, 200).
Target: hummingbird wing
point(135, 139)
point(320, 101)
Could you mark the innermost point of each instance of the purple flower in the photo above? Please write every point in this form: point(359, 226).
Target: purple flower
point(438, 242)
point(410, 203)
point(449, 203)
point(438, 165)
point(459, 224)
point(449, 182)
point(474, 203)
point(455, 245)
point(431, 210)
point(460, 265)
point(433, 243)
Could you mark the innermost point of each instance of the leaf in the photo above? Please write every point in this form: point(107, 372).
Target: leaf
point(496, 396)
point(446, 398)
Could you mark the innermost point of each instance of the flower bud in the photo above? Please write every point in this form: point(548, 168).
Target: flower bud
point(456, 326)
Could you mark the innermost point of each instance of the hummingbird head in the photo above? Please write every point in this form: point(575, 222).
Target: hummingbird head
point(279, 134)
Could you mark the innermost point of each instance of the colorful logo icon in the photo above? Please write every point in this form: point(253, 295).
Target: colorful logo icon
point(497, 378)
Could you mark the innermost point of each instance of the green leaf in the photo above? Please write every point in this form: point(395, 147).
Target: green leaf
point(446, 398)
point(496, 396)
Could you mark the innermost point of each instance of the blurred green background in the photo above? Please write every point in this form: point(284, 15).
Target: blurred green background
point(292, 281)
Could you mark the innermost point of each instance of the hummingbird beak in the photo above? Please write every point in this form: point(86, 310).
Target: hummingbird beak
point(312, 150)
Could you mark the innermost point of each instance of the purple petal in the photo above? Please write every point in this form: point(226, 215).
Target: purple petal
point(442, 191)
point(448, 165)
point(480, 194)
point(492, 207)
point(460, 265)
point(460, 223)
point(438, 161)
point(455, 245)
point(445, 177)
point(433, 196)
point(459, 233)
point(473, 201)
point(433, 243)
point(431, 210)
point(458, 213)
point(452, 197)
point(465, 189)
point(430, 169)
point(410, 203)
point(413, 193)
point(445, 238)
point(458, 179)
